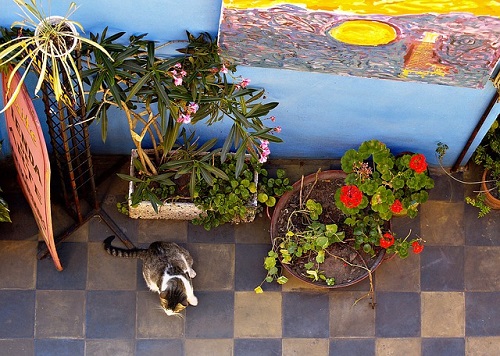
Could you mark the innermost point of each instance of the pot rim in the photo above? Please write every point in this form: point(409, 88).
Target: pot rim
point(54, 20)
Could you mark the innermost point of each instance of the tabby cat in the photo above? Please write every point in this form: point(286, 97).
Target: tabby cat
point(167, 270)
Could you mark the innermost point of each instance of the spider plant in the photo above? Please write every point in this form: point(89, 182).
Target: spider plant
point(42, 44)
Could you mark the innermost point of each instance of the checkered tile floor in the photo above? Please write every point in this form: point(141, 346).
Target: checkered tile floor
point(445, 301)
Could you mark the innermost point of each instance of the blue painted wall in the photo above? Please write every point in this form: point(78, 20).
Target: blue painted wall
point(321, 115)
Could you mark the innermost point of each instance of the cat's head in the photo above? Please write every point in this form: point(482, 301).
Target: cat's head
point(175, 298)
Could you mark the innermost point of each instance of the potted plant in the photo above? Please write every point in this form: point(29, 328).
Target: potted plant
point(42, 44)
point(338, 222)
point(379, 185)
point(487, 155)
point(163, 99)
point(487, 158)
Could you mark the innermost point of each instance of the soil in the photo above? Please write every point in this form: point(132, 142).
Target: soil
point(323, 191)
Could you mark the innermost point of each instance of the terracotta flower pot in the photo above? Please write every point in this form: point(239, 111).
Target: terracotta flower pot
point(281, 211)
point(489, 199)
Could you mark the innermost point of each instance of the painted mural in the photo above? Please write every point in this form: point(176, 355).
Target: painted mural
point(449, 42)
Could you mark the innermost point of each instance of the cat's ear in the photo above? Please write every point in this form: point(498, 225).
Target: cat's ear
point(185, 302)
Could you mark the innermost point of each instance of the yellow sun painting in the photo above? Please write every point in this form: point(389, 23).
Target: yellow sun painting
point(448, 42)
point(364, 33)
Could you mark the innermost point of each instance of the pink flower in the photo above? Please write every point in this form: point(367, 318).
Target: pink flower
point(223, 69)
point(177, 81)
point(277, 129)
point(265, 151)
point(244, 83)
point(272, 118)
point(183, 73)
point(184, 118)
point(178, 65)
point(192, 108)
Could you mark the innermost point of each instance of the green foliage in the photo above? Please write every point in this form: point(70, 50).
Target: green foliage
point(382, 181)
point(216, 189)
point(479, 203)
point(227, 199)
point(270, 188)
point(4, 211)
point(487, 154)
point(39, 44)
point(314, 240)
point(157, 95)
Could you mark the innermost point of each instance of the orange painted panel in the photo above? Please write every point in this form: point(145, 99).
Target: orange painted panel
point(31, 160)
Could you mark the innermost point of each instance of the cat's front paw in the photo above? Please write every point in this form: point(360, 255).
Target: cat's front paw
point(193, 301)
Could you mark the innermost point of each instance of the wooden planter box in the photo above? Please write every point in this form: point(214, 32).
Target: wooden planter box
point(177, 210)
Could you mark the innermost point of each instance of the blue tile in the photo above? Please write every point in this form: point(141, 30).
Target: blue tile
point(73, 257)
point(110, 314)
point(23, 225)
point(17, 314)
point(481, 231)
point(401, 225)
point(172, 347)
point(257, 347)
point(51, 347)
point(220, 234)
point(256, 232)
point(443, 347)
point(442, 268)
point(447, 188)
point(482, 314)
point(213, 317)
point(352, 347)
point(397, 314)
point(17, 347)
point(249, 268)
point(306, 315)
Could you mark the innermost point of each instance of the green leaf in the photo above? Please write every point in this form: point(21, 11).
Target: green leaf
point(322, 242)
point(320, 258)
point(282, 280)
point(262, 197)
point(129, 178)
point(313, 274)
point(271, 202)
point(269, 262)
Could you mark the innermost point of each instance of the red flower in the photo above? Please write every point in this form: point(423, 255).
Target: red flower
point(396, 207)
point(417, 247)
point(351, 196)
point(418, 163)
point(387, 240)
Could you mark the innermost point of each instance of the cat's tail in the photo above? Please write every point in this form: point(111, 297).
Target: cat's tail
point(121, 252)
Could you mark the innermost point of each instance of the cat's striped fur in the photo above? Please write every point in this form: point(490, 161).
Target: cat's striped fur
point(167, 270)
